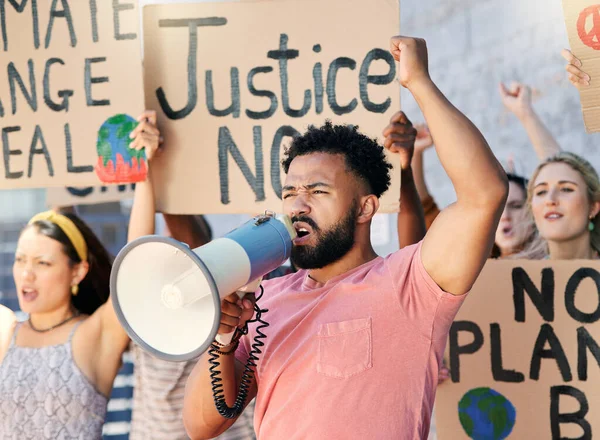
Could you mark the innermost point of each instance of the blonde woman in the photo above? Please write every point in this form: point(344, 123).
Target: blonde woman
point(564, 196)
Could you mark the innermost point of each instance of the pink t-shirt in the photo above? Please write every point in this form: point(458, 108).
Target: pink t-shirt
point(356, 357)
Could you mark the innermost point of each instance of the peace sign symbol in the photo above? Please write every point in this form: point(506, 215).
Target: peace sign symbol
point(590, 38)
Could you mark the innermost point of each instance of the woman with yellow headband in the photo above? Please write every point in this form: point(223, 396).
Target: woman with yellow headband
point(58, 367)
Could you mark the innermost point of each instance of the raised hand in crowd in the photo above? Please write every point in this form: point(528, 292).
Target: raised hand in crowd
point(518, 99)
point(400, 136)
point(424, 141)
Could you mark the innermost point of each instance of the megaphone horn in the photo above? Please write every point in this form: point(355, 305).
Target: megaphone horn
point(168, 296)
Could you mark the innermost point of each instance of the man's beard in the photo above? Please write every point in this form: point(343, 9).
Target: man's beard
point(331, 245)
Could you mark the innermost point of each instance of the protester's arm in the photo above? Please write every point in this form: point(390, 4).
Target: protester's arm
point(200, 415)
point(423, 142)
point(518, 100)
point(458, 243)
point(141, 220)
point(113, 338)
point(187, 229)
point(411, 220)
point(577, 76)
point(418, 169)
point(400, 139)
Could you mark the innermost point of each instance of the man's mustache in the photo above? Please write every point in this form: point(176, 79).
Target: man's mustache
point(304, 219)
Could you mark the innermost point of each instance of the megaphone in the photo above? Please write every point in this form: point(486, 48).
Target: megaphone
point(168, 296)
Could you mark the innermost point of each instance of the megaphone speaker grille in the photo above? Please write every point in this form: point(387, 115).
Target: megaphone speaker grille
point(165, 297)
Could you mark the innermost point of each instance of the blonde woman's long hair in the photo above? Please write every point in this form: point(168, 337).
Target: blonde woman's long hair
point(592, 183)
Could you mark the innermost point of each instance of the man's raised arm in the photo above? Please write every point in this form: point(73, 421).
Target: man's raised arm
point(459, 241)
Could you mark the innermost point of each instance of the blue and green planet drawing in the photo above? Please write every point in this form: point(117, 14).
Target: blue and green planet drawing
point(486, 414)
point(117, 163)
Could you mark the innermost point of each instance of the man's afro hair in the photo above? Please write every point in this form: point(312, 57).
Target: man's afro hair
point(364, 156)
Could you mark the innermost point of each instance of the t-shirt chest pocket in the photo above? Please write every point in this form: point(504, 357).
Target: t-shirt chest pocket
point(345, 348)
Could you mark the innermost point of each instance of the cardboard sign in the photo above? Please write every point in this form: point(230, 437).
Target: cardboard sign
point(582, 18)
point(524, 354)
point(233, 82)
point(69, 196)
point(72, 85)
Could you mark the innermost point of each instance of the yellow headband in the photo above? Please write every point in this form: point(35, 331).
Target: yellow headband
point(68, 227)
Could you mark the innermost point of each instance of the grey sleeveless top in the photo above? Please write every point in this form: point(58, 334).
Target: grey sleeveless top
point(44, 395)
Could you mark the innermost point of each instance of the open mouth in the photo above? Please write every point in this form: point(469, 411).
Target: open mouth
point(29, 294)
point(505, 228)
point(553, 216)
point(304, 232)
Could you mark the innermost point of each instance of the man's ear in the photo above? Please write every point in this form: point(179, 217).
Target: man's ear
point(368, 208)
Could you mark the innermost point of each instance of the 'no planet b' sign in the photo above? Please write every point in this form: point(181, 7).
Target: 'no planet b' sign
point(524, 354)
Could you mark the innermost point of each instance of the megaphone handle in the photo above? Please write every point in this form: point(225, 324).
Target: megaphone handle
point(227, 337)
point(252, 286)
point(249, 370)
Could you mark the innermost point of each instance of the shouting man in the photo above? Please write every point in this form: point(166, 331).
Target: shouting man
point(356, 340)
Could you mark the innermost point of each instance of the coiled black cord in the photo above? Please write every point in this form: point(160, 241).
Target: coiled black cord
point(249, 370)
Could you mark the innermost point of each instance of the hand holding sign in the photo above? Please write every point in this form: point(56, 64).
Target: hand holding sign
point(582, 19)
point(577, 76)
point(400, 138)
point(411, 53)
point(146, 135)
